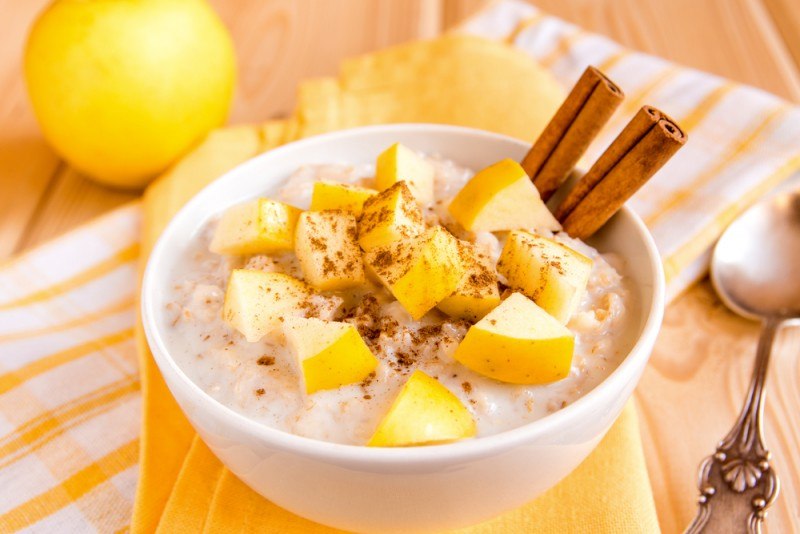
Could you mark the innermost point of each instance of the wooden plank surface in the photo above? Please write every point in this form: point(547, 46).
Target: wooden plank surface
point(693, 388)
point(27, 164)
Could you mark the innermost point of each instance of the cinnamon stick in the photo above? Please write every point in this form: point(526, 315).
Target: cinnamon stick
point(568, 134)
point(648, 141)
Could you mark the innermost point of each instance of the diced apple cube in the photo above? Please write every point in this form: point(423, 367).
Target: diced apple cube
point(477, 293)
point(501, 197)
point(260, 226)
point(326, 247)
point(336, 196)
point(389, 216)
point(552, 274)
point(329, 354)
point(400, 163)
point(518, 342)
point(420, 272)
point(256, 302)
point(423, 413)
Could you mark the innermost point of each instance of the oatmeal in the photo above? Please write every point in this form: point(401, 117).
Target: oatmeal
point(390, 325)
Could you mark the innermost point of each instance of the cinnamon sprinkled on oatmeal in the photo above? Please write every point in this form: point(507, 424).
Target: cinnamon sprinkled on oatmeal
point(270, 391)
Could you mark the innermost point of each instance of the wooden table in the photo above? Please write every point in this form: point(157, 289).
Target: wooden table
point(692, 389)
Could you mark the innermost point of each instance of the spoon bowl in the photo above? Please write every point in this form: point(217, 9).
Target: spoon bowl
point(756, 264)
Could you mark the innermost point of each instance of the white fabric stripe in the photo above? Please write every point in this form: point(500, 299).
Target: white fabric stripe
point(60, 260)
point(76, 378)
point(125, 482)
point(68, 520)
point(26, 478)
point(92, 296)
point(18, 353)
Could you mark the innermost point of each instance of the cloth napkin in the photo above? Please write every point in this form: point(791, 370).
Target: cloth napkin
point(69, 399)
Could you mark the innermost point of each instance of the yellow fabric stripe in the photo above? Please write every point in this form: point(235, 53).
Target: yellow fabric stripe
point(612, 60)
point(116, 307)
point(42, 430)
point(562, 47)
point(679, 196)
point(14, 378)
point(524, 25)
point(71, 489)
point(60, 410)
point(701, 110)
point(95, 271)
point(693, 247)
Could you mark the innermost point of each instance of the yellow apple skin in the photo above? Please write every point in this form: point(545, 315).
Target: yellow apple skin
point(260, 226)
point(423, 413)
point(329, 354)
point(336, 196)
point(121, 89)
point(420, 272)
point(501, 197)
point(518, 342)
point(326, 247)
point(477, 293)
point(552, 274)
point(389, 216)
point(256, 302)
point(400, 163)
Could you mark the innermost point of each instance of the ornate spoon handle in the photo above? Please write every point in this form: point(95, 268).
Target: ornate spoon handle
point(737, 483)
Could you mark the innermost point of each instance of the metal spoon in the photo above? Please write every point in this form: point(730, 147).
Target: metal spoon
point(756, 272)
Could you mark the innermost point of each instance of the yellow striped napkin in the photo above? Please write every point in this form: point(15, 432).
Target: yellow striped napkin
point(69, 401)
point(69, 387)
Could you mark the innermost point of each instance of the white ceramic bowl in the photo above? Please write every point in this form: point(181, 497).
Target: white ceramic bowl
point(417, 488)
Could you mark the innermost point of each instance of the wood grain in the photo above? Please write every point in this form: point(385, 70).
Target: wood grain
point(281, 42)
point(70, 201)
point(733, 38)
point(26, 162)
point(786, 15)
point(691, 393)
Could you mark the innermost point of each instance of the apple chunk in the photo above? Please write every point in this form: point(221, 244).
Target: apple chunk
point(256, 301)
point(326, 247)
point(518, 342)
point(389, 216)
point(501, 197)
point(260, 226)
point(477, 293)
point(400, 163)
point(552, 274)
point(336, 196)
point(420, 272)
point(329, 354)
point(423, 413)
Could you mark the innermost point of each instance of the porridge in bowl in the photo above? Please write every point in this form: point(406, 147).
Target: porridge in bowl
point(412, 302)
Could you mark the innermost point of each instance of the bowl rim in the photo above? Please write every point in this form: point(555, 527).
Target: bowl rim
point(359, 454)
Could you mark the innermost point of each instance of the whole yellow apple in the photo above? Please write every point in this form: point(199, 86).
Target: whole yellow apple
point(122, 88)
